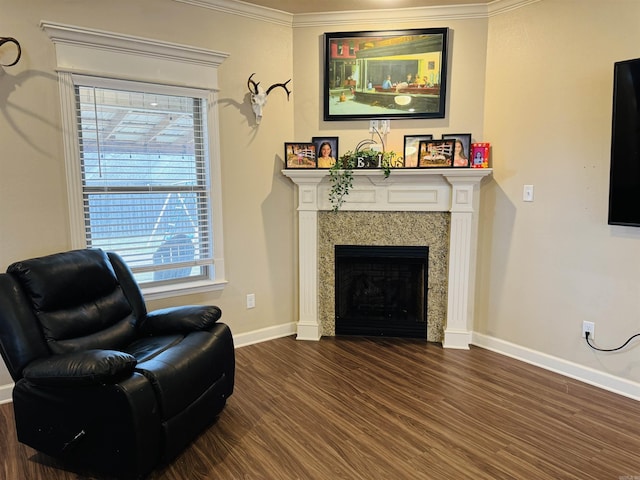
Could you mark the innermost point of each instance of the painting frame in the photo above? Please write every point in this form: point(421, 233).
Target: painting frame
point(465, 141)
point(436, 153)
point(411, 149)
point(357, 64)
point(300, 155)
point(319, 142)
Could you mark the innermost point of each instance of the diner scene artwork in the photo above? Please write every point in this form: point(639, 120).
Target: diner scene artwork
point(385, 74)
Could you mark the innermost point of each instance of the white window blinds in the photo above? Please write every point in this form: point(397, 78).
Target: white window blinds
point(145, 178)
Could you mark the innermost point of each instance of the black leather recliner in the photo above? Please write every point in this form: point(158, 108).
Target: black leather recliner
point(100, 383)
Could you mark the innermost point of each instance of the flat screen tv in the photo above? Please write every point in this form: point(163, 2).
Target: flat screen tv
point(624, 181)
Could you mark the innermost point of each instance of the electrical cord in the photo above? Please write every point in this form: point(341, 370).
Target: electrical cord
point(610, 349)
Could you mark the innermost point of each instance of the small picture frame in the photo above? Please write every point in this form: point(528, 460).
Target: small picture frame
point(326, 151)
point(436, 153)
point(480, 155)
point(462, 149)
point(411, 147)
point(300, 155)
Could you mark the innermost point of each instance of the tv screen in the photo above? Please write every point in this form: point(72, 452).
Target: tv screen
point(624, 182)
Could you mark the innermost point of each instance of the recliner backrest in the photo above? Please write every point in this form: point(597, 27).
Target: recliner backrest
point(77, 300)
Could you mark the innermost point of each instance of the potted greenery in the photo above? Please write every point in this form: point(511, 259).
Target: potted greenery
point(341, 173)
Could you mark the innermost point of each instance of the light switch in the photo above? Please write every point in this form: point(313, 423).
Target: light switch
point(527, 193)
point(251, 300)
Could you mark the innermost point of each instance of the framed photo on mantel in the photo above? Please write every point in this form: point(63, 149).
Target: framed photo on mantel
point(411, 145)
point(462, 149)
point(326, 151)
point(300, 155)
point(436, 153)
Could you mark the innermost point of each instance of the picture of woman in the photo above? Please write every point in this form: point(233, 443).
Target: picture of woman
point(462, 148)
point(460, 158)
point(327, 148)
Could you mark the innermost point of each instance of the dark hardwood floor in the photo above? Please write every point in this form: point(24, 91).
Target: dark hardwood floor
point(367, 409)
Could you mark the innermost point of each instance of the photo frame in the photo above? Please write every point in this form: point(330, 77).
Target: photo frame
point(436, 153)
point(321, 144)
point(300, 155)
point(391, 74)
point(462, 152)
point(480, 155)
point(411, 149)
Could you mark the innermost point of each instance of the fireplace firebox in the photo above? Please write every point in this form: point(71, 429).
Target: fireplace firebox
point(381, 290)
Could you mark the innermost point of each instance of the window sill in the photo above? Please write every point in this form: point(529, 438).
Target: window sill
point(178, 289)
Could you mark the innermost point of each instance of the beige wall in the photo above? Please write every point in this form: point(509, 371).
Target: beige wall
point(546, 266)
point(257, 200)
point(535, 82)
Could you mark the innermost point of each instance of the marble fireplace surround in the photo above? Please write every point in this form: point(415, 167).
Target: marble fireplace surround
point(456, 191)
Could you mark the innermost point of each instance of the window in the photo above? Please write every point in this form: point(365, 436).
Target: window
point(142, 156)
point(145, 178)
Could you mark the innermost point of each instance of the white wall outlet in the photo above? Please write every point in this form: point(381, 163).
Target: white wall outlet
point(373, 126)
point(527, 193)
point(251, 300)
point(588, 327)
point(385, 127)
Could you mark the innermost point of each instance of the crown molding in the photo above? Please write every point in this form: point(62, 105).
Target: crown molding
point(360, 17)
point(244, 9)
point(498, 7)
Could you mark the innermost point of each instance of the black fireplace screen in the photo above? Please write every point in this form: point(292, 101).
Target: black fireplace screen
point(381, 290)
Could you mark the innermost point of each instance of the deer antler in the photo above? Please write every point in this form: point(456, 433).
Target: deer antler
point(283, 85)
point(254, 84)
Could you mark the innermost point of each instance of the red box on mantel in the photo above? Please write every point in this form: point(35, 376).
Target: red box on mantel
point(480, 155)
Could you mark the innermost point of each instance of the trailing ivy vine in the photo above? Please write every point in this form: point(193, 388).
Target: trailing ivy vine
point(341, 173)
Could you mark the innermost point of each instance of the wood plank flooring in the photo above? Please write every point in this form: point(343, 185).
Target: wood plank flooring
point(358, 408)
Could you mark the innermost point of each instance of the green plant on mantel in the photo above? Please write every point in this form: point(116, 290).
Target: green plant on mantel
point(341, 173)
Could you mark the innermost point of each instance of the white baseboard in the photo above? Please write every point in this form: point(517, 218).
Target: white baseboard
point(569, 369)
point(264, 334)
point(5, 393)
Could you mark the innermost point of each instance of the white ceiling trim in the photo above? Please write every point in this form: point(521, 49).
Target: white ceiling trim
point(497, 7)
point(398, 15)
point(395, 15)
point(244, 9)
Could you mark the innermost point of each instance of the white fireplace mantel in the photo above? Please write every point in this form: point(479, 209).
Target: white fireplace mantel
point(418, 190)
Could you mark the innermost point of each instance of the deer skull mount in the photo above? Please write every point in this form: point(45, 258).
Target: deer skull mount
point(259, 96)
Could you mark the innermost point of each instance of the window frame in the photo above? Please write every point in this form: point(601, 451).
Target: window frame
point(173, 67)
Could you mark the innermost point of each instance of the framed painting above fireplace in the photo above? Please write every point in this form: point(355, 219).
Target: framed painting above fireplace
point(385, 74)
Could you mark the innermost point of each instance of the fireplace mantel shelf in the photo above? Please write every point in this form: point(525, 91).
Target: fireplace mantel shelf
point(454, 190)
point(400, 174)
point(410, 189)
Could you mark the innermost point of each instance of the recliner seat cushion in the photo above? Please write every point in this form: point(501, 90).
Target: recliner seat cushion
point(180, 367)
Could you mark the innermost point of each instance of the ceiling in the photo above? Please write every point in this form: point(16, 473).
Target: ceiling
point(319, 6)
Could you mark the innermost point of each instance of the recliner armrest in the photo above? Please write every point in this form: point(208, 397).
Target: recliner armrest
point(183, 319)
point(89, 367)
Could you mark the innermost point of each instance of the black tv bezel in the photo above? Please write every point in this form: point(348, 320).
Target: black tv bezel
point(614, 216)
